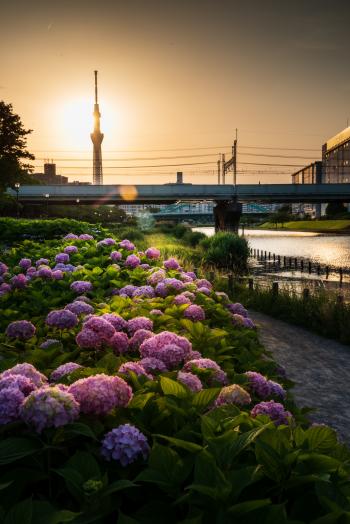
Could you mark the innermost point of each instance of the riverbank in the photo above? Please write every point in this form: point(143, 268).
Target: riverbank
point(316, 226)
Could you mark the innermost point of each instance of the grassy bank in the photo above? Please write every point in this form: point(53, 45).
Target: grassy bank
point(319, 226)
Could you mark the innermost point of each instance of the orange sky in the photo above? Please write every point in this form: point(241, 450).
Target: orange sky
point(174, 75)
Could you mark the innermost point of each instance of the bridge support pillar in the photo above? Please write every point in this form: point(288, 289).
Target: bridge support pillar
point(227, 215)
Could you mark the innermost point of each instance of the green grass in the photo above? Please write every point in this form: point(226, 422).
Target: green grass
point(311, 225)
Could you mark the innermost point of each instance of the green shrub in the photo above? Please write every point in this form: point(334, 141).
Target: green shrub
point(226, 250)
point(132, 233)
point(193, 238)
point(180, 231)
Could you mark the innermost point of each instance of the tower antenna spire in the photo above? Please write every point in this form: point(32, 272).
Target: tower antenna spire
point(96, 138)
point(96, 98)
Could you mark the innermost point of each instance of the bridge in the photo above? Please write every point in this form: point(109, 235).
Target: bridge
point(170, 193)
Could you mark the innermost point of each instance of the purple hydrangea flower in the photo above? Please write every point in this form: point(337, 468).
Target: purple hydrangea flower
point(126, 244)
point(62, 258)
point(42, 262)
point(24, 384)
point(166, 346)
point(3, 268)
point(248, 323)
point(49, 407)
point(173, 284)
point(132, 261)
point(70, 236)
point(116, 320)
point(202, 282)
point(135, 367)
point(4, 288)
point(83, 298)
point(99, 394)
point(26, 370)
point(185, 278)
point(272, 409)
point(206, 363)
point(80, 308)
point(106, 242)
point(153, 365)
point(119, 343)
point(85, 236)
point(87, 338)
point(144, 291)
point(238, 320)
point(192, 355)
point(101, 326)
point(11, 400)
point(138, 337)
point(258, 384)
point(156, 277)
point(139, 323)
point(195, 313)
point(171, 263)
point(161, 290)
point(237, 308)
point(25, 263)
point(276, 389)
point(44, 272)
point(22, 329)
point(156, 312)
point(116, 256)
point(57, 274)
point(144, 266)
point(62, 319)
point(191, 274)
point(127, 290)
point(70, 249)
point(64, 369)
point(233, 394)
point(190, 380)
point(19, 281)
point(125, 444)
point(181, 299)
point(152, 253)
point(81, 286)
point(49, 342)
point(204, 290)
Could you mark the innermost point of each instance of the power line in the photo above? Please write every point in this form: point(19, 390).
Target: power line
point(186, 164)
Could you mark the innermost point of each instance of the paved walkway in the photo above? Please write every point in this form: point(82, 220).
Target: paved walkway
point(319, 367)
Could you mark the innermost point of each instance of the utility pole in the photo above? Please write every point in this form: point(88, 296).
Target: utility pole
point(223, 168)
point(219, 170)
point(234, 156)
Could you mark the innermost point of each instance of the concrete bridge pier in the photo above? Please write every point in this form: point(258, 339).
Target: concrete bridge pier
point(227, 214)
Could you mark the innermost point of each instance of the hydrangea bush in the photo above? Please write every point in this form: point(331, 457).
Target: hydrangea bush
point(132, 391)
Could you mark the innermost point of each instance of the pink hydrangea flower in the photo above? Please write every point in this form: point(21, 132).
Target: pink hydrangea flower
point(195, 313)
point(139, 323)
point(119, 343)
point(190, 380)
point(152, 253)
point(171, 263)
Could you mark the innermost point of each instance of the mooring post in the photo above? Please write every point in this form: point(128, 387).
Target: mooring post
point(327, 272)
point(275, 288)
point(340, 299)
point(301, 265)
point(250, 284)
point(310, 267)
point(230, 283)
point(340, 277)
point(306, 293)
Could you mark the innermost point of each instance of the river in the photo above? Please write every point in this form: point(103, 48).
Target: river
point(328, 249)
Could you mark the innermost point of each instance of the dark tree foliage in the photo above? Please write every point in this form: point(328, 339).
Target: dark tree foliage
point(13, 148)
point(334, 209)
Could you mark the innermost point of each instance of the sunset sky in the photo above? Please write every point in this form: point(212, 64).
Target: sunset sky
point(177, 75)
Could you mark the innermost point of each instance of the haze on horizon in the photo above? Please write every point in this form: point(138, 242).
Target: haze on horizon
point(177, 74)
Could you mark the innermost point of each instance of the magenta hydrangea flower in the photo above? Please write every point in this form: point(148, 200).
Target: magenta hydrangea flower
point(70, 249)
point(166, 346)
point(49, 342)
point(70, 236)
point(258, 384)
point(57, 274)
point(274, 410)
point(3, 268)
point(171, 354)
point(138, 337)
point(101, 326)
point(116, 320)
point(116, 256)
point(62, 319)
point(190, 380)
point(233, 394)
point(192, 355)
point(132, 261)
point(156, 277)
point(144, 291)
point(181, 299)
point(26, 370)
point(49, 407)
point(11, 400)
point(171, 263)
point(25, 263)
point(44, 272)
point(24, 384)
point(135, 367)
point(191, 274)
point(173, 284)
point(85, 236)
point(139, 323)
point(62, 258)
point(19, 281)
point(80, 308)
point(152, 253)
point(206, 363)
point(106, 242)
point(153, 365)
point(204, 290)
point(127, 290)
point(81, 286)
point(87, 338)
point(119, 343)
point(202, 282)
point(126, 244)
point(99, 394)
point(195, 313)
point(22, 329)
point(185, 278)
point(64, 369)
point(125, 444)
point(156, 312)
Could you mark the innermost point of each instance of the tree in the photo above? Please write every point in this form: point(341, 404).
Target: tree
point(13, 148)
point(281, 216)
point(334, 209)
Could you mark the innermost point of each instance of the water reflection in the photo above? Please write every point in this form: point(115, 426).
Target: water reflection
point(326, 249)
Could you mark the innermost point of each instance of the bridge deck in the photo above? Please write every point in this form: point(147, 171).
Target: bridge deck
point(123, 194)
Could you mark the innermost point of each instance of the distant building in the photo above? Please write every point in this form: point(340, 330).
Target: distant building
point(311, 174)
point(336, 159)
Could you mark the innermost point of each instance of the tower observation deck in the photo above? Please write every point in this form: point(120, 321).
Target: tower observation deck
point(97, 138)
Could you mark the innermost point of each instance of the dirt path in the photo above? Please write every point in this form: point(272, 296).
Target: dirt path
point(319, 367)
